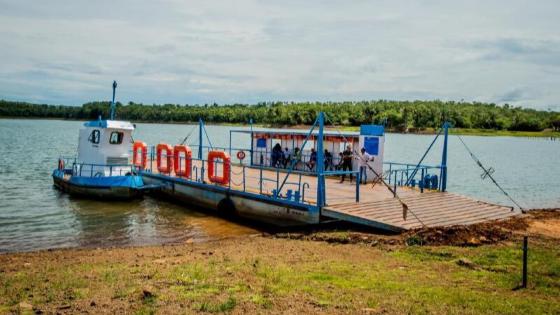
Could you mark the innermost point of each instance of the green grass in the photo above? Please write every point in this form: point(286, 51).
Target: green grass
point(411, 279)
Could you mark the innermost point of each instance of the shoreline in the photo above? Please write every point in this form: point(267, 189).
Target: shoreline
point(449, 270)
point(260, 230)
point(547, 133)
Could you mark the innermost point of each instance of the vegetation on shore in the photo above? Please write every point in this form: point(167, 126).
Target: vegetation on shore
point(347, 272)
point(413, 116)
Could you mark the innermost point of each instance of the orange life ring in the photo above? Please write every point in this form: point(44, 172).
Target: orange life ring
point(226, 170)
point(165, 169)
point(61, 164)
point(187, 166)
point(241, 155)
point(139, 145)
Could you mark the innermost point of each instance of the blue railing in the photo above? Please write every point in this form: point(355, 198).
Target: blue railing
point(75, 168)
point(101, 170)
point(239, 177)
point(412, 175)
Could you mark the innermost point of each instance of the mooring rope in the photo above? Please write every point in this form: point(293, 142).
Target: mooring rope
point(188, 135)
point(488, 173)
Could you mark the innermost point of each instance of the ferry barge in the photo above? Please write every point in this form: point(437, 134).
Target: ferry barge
point(249, 182)
point(282, 177)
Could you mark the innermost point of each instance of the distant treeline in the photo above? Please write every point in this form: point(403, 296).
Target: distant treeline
point(396, 115)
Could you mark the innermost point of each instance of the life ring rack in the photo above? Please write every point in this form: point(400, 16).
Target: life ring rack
point(241, 154)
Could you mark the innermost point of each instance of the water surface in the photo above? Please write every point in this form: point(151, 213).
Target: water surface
point(34, 215)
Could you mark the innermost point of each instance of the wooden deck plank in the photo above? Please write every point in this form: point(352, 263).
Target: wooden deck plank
point(425, 214)
point(426, 217)
point(377, 206)
point(453, 206)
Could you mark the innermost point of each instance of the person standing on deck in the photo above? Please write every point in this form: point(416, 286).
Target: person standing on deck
point(363, 159)
point(287, 157)
point(296, 158)
point(276, 155)
point(328, 160)
point(347, 162)
point(312, 159)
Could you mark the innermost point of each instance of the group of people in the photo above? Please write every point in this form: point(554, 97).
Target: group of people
point(282, 159)
point(346, 158)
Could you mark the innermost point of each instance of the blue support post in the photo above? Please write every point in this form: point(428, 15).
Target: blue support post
point(113, 101)
point(261, 180)
point(252, 142)
point(200, 130)
point(243, 177)
point(395, 185)
point(320, 165)
point(422, 181)
point(358, 180)
point(230, 143)
point(443, 173)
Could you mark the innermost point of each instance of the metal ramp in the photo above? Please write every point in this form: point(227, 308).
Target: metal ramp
point(434, 209)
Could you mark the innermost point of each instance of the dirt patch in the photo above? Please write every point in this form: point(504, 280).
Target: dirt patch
point(344, 238)
point(545, 222)
point(550, 228)
point(471, 235)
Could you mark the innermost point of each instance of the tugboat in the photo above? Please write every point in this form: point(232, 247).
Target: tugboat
point(101, 169)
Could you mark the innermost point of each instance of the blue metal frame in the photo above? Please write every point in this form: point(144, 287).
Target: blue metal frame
point(320, 164)
point(227, 190)
point(200, 143)
point(443, 172)
point(406, 170)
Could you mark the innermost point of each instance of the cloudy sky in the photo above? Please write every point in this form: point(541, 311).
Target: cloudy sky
point(68, 52)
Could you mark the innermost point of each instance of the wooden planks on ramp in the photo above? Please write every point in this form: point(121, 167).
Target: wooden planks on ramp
point(432, 208)
point(377, 207)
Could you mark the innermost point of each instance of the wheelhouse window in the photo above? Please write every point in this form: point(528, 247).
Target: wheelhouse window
point(116, 137)
point(94, 136)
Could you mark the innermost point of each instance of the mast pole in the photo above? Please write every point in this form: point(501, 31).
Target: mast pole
point(112, 116)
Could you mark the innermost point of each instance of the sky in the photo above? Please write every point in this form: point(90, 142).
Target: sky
point(196, 52)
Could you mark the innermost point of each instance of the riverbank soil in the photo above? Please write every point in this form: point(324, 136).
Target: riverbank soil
point(472, 270)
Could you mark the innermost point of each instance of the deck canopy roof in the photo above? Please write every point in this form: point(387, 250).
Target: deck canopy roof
point(298, 132)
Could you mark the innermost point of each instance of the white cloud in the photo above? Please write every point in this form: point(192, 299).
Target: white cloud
point(247, 51)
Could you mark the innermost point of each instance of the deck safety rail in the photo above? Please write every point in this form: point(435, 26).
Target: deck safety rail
point(270, 180)
point(302, 165)
point(412, 175)
point(101, 170)
point(242, 180)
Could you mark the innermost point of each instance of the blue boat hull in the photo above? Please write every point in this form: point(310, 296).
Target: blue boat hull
point(113, 187)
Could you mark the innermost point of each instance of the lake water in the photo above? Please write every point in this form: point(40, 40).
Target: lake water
point(34, 215)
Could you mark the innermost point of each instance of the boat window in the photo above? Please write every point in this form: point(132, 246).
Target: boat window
point(94, 136)
point(116, 137)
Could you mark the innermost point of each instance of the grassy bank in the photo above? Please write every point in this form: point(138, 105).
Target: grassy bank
point(265, 274)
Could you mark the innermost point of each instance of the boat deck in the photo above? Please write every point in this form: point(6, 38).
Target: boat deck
point(431, 209)
point(377, 207)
